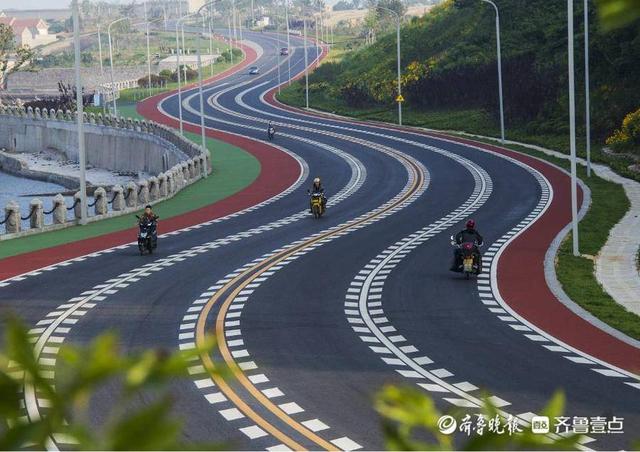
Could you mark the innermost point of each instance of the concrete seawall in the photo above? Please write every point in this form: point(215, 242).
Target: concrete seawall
point(107, 147)
point(116, 144)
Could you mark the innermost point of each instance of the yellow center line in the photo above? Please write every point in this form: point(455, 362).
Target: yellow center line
point(224, 350)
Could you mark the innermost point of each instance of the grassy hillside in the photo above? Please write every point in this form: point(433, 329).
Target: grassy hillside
point(450, 75)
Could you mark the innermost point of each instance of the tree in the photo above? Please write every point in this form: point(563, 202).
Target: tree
point(22, 54)
point(342, 5)
point(396, 6)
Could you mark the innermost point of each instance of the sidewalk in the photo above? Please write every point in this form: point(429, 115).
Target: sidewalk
point(616, 265)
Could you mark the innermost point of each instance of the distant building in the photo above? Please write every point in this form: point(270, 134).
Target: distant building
point(263, 21)
point(31, 32)
point(195, 5)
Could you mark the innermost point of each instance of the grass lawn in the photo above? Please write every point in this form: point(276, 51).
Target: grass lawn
point(475, 121)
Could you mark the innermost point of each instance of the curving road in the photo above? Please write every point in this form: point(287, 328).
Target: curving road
point(315, 316)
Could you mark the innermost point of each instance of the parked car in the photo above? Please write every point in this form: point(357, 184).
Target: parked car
point(284, 51)
point(253, 70)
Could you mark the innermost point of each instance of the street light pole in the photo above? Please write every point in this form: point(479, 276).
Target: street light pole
point(230, 40)
point(399, 76)
point(200, 90)
point(499, 52)
point(399, 98)
point(306, 63)
point(315, 23)
point(80, 116)
point(113, 86)
point(278, 47)
point(100, 52)
point(286, 18)
point(178, 69)
point(572, 130)
point(148, 49)
point(587, 95)
point(211, 43)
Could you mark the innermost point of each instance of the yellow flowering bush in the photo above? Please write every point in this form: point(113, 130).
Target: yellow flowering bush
point(627, 137)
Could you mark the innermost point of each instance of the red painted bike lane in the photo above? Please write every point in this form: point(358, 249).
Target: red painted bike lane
point(278, 171)
point(521, 278)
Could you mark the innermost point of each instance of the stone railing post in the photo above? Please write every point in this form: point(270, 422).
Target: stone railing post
point(162, 185)
point(143, 192)
point(12, 214)
point(77, 205)
point(37, 217)
point(60, 209)
point(100, 197)
point(118, 198)
point(154, 190)
point(132, 194)
point(185, 173)
point(196, 168)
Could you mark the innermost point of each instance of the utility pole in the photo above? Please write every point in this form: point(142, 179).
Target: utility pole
point(572, 131)
point(82, 158)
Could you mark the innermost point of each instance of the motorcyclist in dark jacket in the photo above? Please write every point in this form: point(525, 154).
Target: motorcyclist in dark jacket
point(467, 235)
point(318, 188)
point(148, 217)
point(271, 130)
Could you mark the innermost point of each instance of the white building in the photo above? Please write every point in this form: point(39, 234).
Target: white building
point(263, 21)
point(30, 32)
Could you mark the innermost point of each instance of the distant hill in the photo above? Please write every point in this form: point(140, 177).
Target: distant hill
point(449, 62)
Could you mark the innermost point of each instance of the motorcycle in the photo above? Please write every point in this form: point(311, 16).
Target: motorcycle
point(470, 258)
point(147, 236)
point(271, 131)
point(317, 205)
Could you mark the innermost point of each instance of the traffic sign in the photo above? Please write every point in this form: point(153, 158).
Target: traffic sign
point(399, 98)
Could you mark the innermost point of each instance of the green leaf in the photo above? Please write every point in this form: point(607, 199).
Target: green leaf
point(147, 429)
point(618, 13)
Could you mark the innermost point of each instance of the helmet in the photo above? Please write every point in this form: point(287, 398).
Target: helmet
point(316, 180)
point(471, 224)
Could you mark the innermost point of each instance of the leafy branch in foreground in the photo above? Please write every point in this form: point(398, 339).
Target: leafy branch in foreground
point(618, 13)
point(82, 373)
point(411, 421)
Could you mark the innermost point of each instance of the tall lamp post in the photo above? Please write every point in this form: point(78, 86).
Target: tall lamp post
point(286, 18)
point(587, 96)
point(200, 90)
point(572, 131)
point(278, 47)
point(113, 90)
point(100, 51)
point(399, 98)
point(499, 52)
point(178, 23)
point(146, 20)
point(80, 116)
point(306, 63)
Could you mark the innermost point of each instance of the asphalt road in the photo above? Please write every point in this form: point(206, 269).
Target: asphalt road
point(283, 292)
